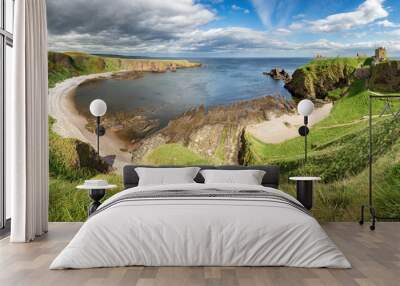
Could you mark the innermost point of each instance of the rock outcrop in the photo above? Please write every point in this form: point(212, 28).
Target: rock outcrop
point(72, 158)
point(385, 77)
point(362, 73)
point(214, 133)
point(129, 126)
point(317, 78)
point(279, 74)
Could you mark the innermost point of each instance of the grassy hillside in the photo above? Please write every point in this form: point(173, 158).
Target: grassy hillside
point(338, 148)
point(66, 203)
point(70, 163)
point(72, 159)
point(320, 76)
point(347, 117)
point(65, 65)
point(174, 154)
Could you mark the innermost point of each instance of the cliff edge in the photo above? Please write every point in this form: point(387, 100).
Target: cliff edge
point(315, 79)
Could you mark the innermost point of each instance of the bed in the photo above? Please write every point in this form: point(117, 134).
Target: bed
point(198, 224)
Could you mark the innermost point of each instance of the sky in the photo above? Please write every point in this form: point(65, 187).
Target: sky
point(224, 28)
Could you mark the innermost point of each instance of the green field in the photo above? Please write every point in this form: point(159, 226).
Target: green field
point(174, 154)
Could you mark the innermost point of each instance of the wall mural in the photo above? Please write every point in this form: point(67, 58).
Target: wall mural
point(218, 82)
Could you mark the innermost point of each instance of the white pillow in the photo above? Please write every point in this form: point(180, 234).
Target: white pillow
point(247, 177)
point(166, 176)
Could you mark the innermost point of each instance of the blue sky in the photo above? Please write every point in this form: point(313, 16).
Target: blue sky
point(214, 28)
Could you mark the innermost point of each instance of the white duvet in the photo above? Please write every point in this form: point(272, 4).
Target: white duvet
point(200, 231)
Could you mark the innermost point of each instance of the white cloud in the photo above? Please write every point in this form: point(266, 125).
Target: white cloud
point(364, 46)
point(238, 8)
point(368, 12)
point(235, 7)
point(296, 26)
point(264, 10)
point(283, 31)
point(395, 33)
point(387, 24)
point(232, 39)
point(298, 16)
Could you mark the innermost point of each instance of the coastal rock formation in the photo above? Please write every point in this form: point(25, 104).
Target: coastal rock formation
point(126, 75)
point(214, 133)
point(362, 73)
point(279, 74)
point(385, 76)
point(317, 78)
point(129, 126)
point(65, 65)
point(73, 158)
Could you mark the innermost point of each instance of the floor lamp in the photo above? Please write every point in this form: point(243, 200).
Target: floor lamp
point(305, 108)
point(98, 108)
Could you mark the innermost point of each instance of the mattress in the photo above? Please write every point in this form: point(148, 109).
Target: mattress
point(201, 225)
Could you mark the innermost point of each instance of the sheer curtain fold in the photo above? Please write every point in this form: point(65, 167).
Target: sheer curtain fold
point(27, 142)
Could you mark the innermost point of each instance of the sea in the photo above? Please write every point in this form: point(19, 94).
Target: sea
point(164, 96)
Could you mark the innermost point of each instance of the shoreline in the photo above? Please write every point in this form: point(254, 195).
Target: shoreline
point(284, 127)
point(70, 124)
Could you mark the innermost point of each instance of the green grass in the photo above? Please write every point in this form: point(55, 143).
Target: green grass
point(318, 78)
point(219, 155)
point(338, 152)
point(341, 200)
point(347, 118)
point(65, 65)
point(70, 163)
point(66, 203)
point(174, 154)
point(70, 158)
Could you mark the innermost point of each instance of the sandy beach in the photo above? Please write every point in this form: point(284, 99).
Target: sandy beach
point(281, 128)
point(69, 123)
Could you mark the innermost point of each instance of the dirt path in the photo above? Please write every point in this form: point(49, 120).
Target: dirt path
point(281, 128)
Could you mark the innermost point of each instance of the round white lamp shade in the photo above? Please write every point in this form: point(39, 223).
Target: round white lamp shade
point(98, 107)
point(305, 107)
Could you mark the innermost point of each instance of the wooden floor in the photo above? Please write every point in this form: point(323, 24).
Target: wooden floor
point(375, 257)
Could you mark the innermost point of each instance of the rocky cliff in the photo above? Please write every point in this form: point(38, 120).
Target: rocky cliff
point(385, 77)
point(71, 158)
point(65, 65)
point(215, 133)
point(279, 74)
point(320, 76)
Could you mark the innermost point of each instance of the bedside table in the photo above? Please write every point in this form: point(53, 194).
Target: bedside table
point(304, 190)
point(96, 194)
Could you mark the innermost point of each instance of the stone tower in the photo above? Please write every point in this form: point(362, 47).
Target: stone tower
point(380, 54)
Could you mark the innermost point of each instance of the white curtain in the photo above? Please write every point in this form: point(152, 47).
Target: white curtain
point(26, 124)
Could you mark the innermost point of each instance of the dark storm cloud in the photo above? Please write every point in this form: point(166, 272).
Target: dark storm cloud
point(146, 20)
